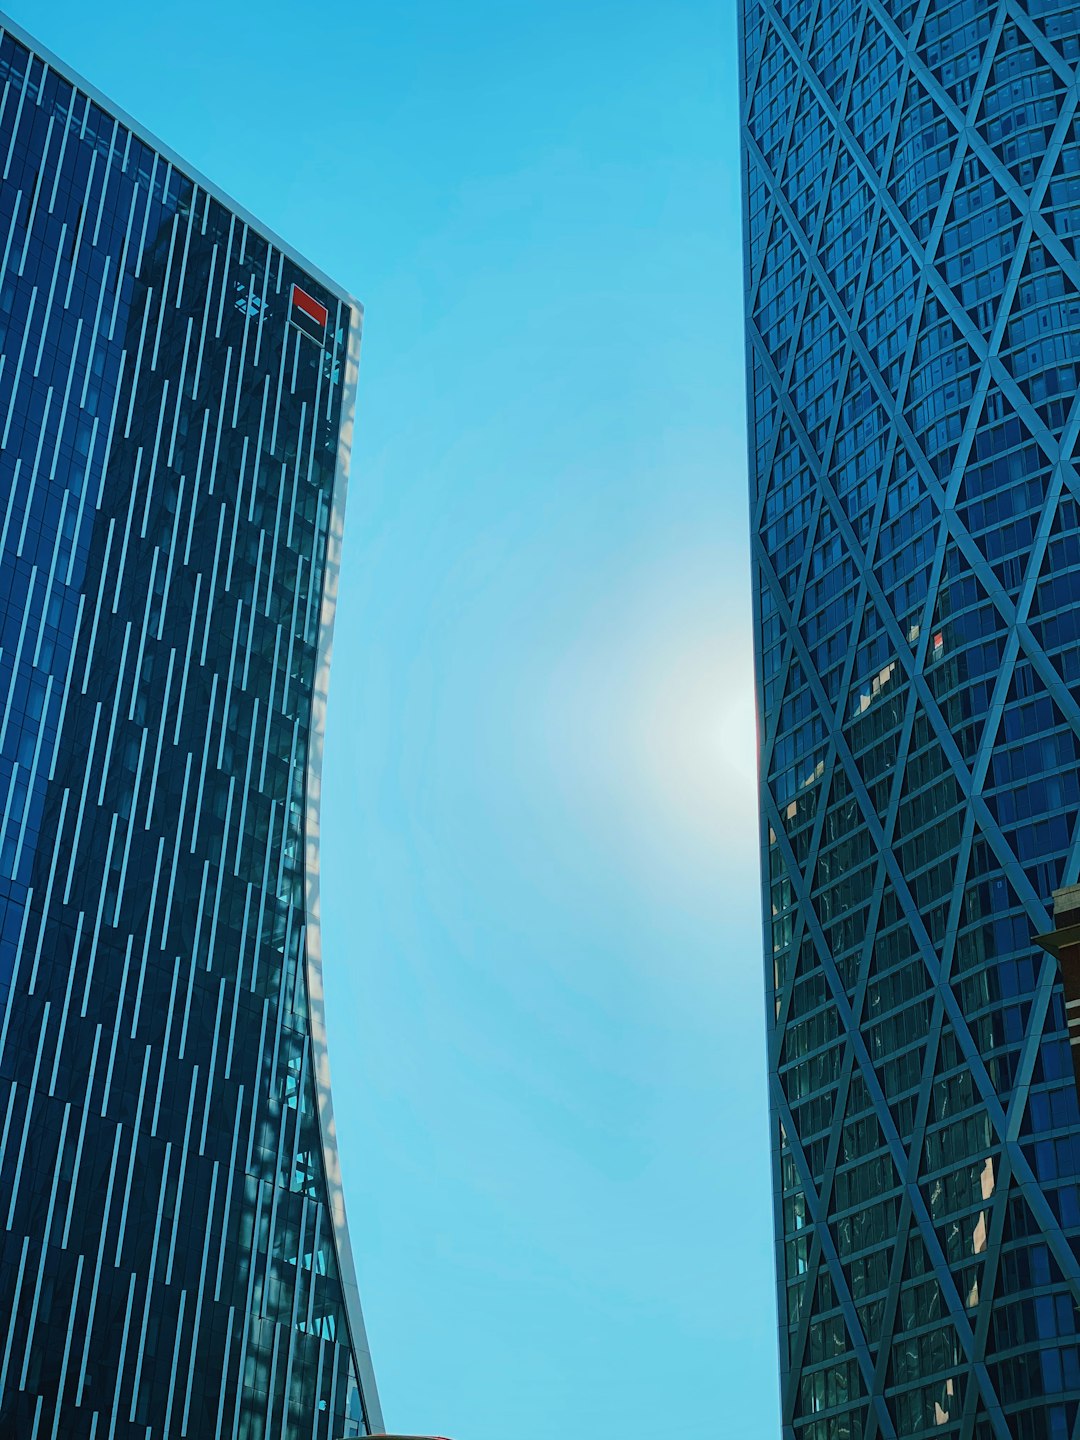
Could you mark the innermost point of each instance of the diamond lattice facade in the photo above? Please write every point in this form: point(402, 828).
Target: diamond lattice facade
point(912, 174)
point(176, 399)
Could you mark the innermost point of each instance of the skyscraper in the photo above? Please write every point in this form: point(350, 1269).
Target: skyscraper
point(912, 184)
point(176, 408)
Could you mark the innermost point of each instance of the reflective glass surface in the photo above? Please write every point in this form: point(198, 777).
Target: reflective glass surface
point(912, 174)
point(170, 429)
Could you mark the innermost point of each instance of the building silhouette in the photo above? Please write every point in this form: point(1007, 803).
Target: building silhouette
point(912, 198)
point(176, 409)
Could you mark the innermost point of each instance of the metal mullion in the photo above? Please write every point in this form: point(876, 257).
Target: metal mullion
point(225, 278)
point(258, 447)
point(155, 770)
point(270, 1397)
point(299, 1107)
point(243, 355)
point(32, 777)
point(104, 183)
point(187, 245)
point(181, 815)
point(195, 491)
point(174, 541)
point(125, 1336)
point(69, 1336)
point(211, 587)
point(228, 686)
point(256, 1089)
point(221, 875)
point(257, 942)
point(246, 786)
point(221, 418)
point(18, 654)
point(205, 759)
point(241, 953)
point(318, 547)
point(122, 562)
point(24, 87)
point(84, 494)
point(273, 548)
point(231, 1173)
point(298, 1004)
point(32, 1322)
point(81, 228)
point(19, 365)
point(61, 1032)
point(315, 1237)
point(205, 319)
point(121, 264)
point(31, 1092)
point(292, 1322)
point(97, 922)
point(59, 166)
point(36, 197)
point(199, 1300)
point(115, 708)
point(194, 961)
point(97, 606)
point(10, 504)
point(237, 506)
point(176, 1350)
point(109, 439)
point(224, 1373)
point(75, 1172)
point(170, 1016)
point(19, 1277)
point(65, 401)
point(87, 768)
point(12, 1091)
point(151, 474)
point(10, 234)
point(211, 1065)
point(46, 903)
point(138, 361)
point(146, 943)
point(49, 302)
point(184, 1152)
point(247, 1308)
point(206, 755)
point(270, 708)
point(262, 307)
point(334, 362)
point(254, 610)
point(180, 395)
point(131, 1158)
point(6, 816)
point(165, 292)
point(130, 827)
point(150, 1274)
point(146, 218)
point(280, 386)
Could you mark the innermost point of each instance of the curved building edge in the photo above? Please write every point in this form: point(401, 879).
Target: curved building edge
point(312, 844)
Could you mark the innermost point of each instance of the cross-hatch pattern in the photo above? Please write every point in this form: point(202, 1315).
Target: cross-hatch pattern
point(912, 186)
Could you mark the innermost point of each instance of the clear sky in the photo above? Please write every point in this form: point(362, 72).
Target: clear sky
point(540, 852)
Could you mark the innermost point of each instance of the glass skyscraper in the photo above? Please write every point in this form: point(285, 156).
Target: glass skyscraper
point(912, 186)
point(176, 407)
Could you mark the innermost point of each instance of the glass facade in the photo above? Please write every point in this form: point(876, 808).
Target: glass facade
point(912, 185)
point(176, 397)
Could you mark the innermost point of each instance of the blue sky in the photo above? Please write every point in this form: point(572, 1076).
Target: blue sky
point(540, 888)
